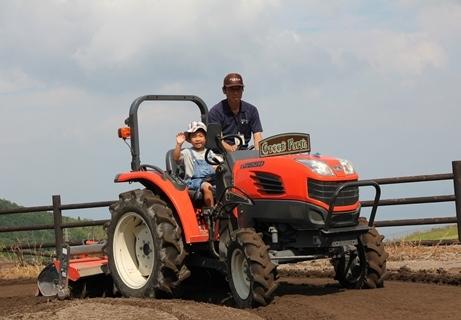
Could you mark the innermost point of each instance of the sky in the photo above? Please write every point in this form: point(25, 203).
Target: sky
point(375, 82)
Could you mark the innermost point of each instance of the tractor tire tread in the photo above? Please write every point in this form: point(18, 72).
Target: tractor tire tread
point(263, 271)
point(172, 270)
point(376, 259)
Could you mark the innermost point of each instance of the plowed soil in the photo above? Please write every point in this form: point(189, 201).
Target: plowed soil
point(307, 291)
point(296, 298)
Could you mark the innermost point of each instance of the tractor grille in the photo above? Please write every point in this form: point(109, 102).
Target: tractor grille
point(324, 190)
point(268, 183)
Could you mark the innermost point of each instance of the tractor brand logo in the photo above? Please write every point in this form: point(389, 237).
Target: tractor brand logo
point(254, 164)
point(288, 143)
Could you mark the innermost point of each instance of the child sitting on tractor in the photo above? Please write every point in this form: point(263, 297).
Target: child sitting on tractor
point(199, 174)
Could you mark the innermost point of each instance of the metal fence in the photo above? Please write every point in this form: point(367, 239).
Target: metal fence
point(56, 208)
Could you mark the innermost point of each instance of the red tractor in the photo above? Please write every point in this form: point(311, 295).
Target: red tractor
point(280, 204)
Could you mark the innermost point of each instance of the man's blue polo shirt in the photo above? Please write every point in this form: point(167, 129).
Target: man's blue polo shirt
point(245, 122)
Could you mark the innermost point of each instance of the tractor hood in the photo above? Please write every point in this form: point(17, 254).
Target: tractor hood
point(284, 169)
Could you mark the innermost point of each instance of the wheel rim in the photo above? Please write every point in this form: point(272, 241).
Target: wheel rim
point(353, 266)
point(133, 248)
point(240, 274)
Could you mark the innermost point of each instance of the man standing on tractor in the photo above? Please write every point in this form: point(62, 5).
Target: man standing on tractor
point(199, 175)
point(236, 117)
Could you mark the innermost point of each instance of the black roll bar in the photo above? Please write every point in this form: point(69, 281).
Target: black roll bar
point(132, 120)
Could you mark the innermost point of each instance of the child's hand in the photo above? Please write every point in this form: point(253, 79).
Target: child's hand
point(180, 138)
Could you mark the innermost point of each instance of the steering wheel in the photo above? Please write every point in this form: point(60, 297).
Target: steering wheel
point(213, 161)
point(235, 136)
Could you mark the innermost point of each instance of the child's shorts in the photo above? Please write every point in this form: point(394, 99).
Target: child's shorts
point(194, 184)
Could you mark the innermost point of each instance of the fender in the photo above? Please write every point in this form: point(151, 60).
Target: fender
point(179, 198)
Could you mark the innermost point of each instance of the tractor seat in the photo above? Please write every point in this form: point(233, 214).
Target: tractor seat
point(177, 170)
point(172, 167)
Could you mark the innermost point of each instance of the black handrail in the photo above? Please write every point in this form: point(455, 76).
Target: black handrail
point(132, 120)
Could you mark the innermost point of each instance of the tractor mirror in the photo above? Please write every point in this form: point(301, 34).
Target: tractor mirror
point(213, 134)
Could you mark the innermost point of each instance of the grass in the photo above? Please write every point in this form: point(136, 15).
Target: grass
point(21, 265)
point(402, 251)
point(17, 271)
point(446, 233)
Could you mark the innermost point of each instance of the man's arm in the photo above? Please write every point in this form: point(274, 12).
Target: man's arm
point(257, 137)
point(256, 127)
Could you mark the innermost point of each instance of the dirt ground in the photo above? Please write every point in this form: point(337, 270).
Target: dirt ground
point(417, 288)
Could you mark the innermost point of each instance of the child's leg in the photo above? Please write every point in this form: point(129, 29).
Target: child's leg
point(207, 194)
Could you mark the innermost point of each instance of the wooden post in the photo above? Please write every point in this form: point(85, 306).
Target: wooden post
point(457, 185)
point(57, 215)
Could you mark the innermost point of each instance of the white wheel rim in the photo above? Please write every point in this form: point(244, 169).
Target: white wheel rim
point(240, 274)
point(133, 248)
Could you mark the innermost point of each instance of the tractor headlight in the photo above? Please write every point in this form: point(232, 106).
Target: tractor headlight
point(347, 166)
point(317, 166)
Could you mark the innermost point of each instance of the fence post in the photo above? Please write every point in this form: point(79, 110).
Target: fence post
point(57, 215)
point(457, 184)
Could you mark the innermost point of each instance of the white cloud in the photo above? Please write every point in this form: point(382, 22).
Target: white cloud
point(404, 54)
point(442, 21)
point(15, 79)
point(384, 51)
point(129, 33)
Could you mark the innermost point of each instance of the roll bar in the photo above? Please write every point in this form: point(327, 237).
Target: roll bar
point(132, 120)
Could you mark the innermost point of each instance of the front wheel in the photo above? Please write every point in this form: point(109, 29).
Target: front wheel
point(376, 258)
point(145, 249)
point(351, 267)
point(250, 272)
point(363, 266)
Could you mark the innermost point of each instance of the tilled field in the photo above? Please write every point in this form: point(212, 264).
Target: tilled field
point(296, 298)
point(424, 290)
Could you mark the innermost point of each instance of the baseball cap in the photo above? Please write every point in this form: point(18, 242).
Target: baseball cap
point(196, 125)
point(233, 80)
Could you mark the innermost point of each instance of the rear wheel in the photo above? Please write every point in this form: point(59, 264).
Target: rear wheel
point(145, 248)
point(250, 272)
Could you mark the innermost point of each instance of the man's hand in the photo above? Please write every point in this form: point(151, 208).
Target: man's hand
point(230, 147)
point(257, 137)
point(180, 138)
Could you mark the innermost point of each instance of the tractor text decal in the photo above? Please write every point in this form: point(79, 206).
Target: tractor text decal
point(254, 164)
point(288, 143)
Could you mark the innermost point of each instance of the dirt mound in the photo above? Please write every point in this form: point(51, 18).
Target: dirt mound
point(87, 310)
point(128, 309)
point(436, 276)
point(439, 276)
